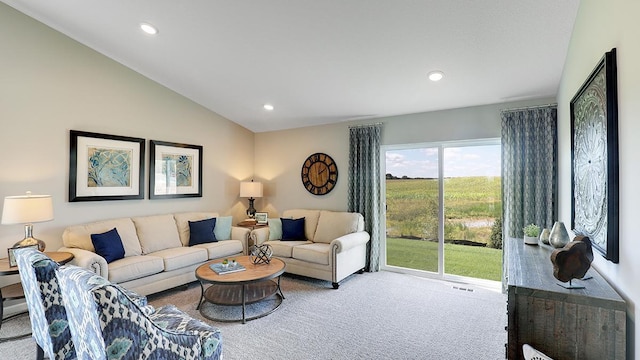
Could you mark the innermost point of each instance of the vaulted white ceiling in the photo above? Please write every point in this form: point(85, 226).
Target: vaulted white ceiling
point(327, 61)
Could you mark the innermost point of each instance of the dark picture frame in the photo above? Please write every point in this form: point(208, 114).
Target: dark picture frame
point(105, 167)
point(12, 257)
point(175, 170)
point(594, 158)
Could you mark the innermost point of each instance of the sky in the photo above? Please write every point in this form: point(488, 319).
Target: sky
point(458, 161)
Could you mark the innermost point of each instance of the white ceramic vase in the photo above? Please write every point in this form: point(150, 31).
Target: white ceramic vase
point(559, 237)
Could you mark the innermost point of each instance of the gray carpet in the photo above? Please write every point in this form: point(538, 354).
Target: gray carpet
point(381, 315)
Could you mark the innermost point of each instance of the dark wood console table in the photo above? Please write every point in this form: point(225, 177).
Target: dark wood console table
point(583, 324)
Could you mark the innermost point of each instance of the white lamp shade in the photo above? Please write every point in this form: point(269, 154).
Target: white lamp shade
point(250, 189)
point(27, 209)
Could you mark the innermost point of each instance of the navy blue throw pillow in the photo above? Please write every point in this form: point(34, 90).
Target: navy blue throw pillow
point(292, 229)
point(108, 245)
point(201, 232)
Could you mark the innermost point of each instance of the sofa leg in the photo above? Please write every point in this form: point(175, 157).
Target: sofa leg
point(361, 271)
point(335, 285)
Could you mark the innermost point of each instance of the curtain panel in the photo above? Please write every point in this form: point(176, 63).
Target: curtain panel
point(529, 168)
point(364, 185)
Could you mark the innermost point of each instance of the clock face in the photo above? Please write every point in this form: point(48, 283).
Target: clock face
point(319, 174)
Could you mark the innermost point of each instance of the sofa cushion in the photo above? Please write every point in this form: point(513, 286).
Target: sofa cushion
point(333, 224)
point(176, 258)
point(157, 233)
point(284, 248)
point(310, 220)
point(223, 227)
point(275, 229)
point(134, 267)
point(293, 229)
point(108, 245)
point(79, 236)
point(201, 231)
point(182, 223)
point(317, 253)
point(222, 248)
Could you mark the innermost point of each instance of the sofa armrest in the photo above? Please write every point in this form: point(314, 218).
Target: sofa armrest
point(88, 260)
point(260, 235)
point(349, 241)
point(242, 234)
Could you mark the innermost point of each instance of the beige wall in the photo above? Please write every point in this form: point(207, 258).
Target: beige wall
point(600, 26)
point(50, 84)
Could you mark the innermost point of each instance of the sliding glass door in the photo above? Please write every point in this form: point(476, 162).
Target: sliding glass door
point(442, 202)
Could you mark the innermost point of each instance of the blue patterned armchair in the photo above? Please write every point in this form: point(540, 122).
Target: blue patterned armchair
point(47, 313)
point(108, 324)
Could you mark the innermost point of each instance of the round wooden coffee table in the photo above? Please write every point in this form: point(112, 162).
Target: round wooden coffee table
point(254, 284)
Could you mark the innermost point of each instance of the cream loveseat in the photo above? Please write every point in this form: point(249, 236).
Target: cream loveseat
point(334, 244)
point(157, 255)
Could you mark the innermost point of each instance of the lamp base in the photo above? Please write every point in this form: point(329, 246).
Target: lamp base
point(29, 240)
point(251, 211)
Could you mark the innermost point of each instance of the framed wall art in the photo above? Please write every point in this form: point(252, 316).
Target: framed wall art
point(105, 167)
point(175, 170)
point(594, 158)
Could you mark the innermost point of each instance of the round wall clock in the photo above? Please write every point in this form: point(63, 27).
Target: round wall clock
point(319, 174)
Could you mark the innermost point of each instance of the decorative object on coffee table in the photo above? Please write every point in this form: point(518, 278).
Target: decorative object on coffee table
point(261, 254)
point(572, 261)
point(559, 237)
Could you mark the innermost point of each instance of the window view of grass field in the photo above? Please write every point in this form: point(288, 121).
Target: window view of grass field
point(472, 210)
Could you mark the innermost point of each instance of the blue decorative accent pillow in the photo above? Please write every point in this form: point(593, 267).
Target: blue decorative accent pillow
point(201, 232)
point(292, 229)
point(223, 227)
point(108, 245)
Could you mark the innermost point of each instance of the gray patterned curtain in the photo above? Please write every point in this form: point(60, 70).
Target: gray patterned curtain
point(364, 185)
point(529, 168)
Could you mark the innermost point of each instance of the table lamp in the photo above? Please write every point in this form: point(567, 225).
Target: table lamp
point(27, 209)
point(251, 190)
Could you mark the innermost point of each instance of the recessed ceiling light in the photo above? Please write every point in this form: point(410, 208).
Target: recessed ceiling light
point(268, 107)
point(436, 75)
point(148, 28)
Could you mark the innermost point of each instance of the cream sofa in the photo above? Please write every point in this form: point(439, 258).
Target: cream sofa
point(335, 245)
point(157, 256)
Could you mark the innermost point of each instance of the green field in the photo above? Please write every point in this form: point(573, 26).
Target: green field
point(471, 206)
point(486, 263)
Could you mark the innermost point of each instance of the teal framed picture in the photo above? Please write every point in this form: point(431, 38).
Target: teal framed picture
point(175, 170)
point(105, 167)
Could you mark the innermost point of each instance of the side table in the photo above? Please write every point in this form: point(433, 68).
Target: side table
point(251, 224)
point(15, 291)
